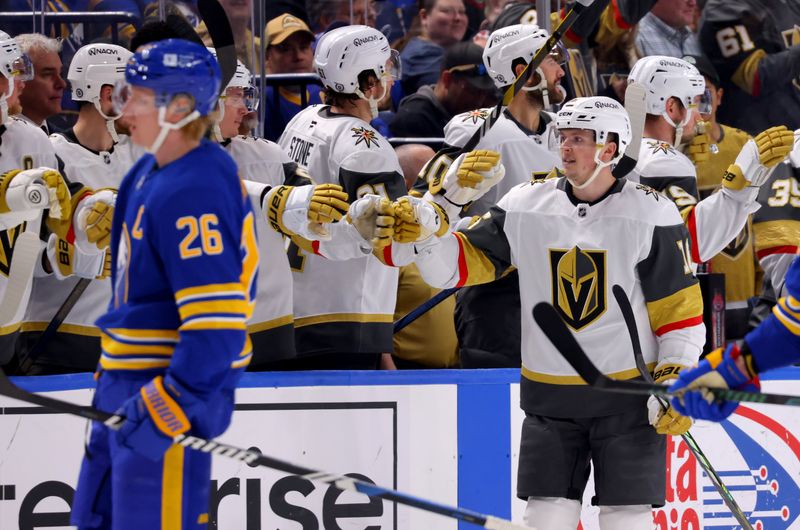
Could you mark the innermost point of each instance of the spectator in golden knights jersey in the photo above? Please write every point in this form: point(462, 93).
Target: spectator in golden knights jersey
point(754, 45)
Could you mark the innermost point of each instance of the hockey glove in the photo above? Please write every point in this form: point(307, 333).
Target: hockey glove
point(417, 219)
point(68, 260)
point(156, 415)
point(373, 218)
point(303, 210)
point(663, 416)
point(699, 149)
point(35, 189)
point(731, 368)
point(470, 176)
point(758, 156)
point(93, 219)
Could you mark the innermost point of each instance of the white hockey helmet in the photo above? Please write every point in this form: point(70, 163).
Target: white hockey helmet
point(242, 78)
point(94, 66)
point(602, 115)
point(13, 64)
point(506, 45)
point(665, 77)
point(345, 52)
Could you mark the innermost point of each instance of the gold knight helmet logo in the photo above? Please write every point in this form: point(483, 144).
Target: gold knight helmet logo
point(578, 285)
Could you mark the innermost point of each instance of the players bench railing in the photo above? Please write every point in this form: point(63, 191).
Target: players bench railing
point(39, 21)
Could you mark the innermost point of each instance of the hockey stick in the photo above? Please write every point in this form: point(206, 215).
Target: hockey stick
point(55, 323)
point(556, 330)
point(423, 308)
point(635, 95)
point(252, 458)
point(630, 323)
point(23, 261)
point(219, 29)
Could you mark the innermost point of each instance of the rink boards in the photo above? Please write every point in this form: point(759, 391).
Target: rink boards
point(449, 436)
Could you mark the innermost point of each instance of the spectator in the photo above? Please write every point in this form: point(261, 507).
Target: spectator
point(325, 13)
point(665, 30)
point(712, 152)
point(463, 85)
point(288, 52)
point(41, 98)
point(430, 341)
point(444, 23)
point(753, 45)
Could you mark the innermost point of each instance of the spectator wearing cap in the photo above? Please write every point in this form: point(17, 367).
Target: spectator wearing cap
point(713, 150)
point(288, 52)
point(665, 30)
point(444, 23)
point(462, 85)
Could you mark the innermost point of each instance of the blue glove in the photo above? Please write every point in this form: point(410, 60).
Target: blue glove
point(153, 417)
point(717, 370)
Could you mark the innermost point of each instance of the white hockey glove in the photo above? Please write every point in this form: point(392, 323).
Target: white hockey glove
point(758, 156)
point(67, 260)
point(373, 218)
point(304, 210)
point(417, 219)
point(35, 189)
point(93, 219)
point(470, 176)
point(666, 420)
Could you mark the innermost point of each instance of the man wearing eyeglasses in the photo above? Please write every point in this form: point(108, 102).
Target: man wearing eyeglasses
point(463, 84)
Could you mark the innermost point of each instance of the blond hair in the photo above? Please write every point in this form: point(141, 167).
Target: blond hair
point(197, 129)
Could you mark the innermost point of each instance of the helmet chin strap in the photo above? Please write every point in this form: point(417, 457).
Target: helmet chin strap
point(542, 87)
point(4, 101)
point(678, 127)
point(109, 121)
point(600, 165)
point(166, 127)
point(373, 103)
point(215, 128)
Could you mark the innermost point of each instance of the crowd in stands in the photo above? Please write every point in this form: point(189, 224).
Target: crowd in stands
point(751, 76)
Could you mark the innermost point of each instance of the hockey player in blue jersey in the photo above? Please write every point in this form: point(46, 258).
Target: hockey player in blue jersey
point(174, 340)
point(774, 343)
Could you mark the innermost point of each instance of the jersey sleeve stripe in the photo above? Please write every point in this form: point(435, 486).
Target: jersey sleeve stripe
point(210, 290)
point(114, 347)
point(746, 75)
point(122, 364)
point(691, 223)
point(681, 309)
point(226, 307)
point(788, 316)
point(387, 255)
point(143, 335)
point(776, 237)
point(214, 323)
point(783, 249)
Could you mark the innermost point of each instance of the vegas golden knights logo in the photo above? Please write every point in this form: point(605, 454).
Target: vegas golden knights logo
point(578, 285)
point(739, 243)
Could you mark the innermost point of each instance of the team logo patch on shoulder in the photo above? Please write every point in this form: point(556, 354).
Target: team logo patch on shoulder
point(474, 116)
point(365, 136)
point(663, 147)
point(578, 283)
point(648, 191)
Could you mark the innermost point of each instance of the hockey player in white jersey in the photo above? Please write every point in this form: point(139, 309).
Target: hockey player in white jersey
point(674, 89)
point(572, 238)
point(29, 183)
point(266, 168)
point(351, 325)
point(88, 153)
point(525, 137)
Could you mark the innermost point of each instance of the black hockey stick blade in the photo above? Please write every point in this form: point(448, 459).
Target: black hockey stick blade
point(219, 29)
point(635, 95)
point(727, 497)
point(522, 78)
point(556, 330)
point(254, 458)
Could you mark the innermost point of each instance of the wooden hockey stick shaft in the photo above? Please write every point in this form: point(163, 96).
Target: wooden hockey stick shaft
point(630, 322)
point(253, 458)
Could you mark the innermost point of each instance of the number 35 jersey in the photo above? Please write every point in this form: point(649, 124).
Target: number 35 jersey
point(342, 306)
point(186, 257)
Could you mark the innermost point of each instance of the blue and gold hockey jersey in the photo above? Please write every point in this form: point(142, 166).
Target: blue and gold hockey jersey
point(186, 257)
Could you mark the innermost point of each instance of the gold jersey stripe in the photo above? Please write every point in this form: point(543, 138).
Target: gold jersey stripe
point(680, 306)
point(271, 324)
point(360, 318)
point(549, 379)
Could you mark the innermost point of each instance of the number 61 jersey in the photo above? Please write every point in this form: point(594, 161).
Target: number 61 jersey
point(342, 306)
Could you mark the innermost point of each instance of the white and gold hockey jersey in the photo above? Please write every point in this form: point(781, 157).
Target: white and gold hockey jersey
point(342, 306)
point(271, 325)
point(524, 153)
point(570, 253)
point(22, 146)
point(713, 222)
point(77, 342)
